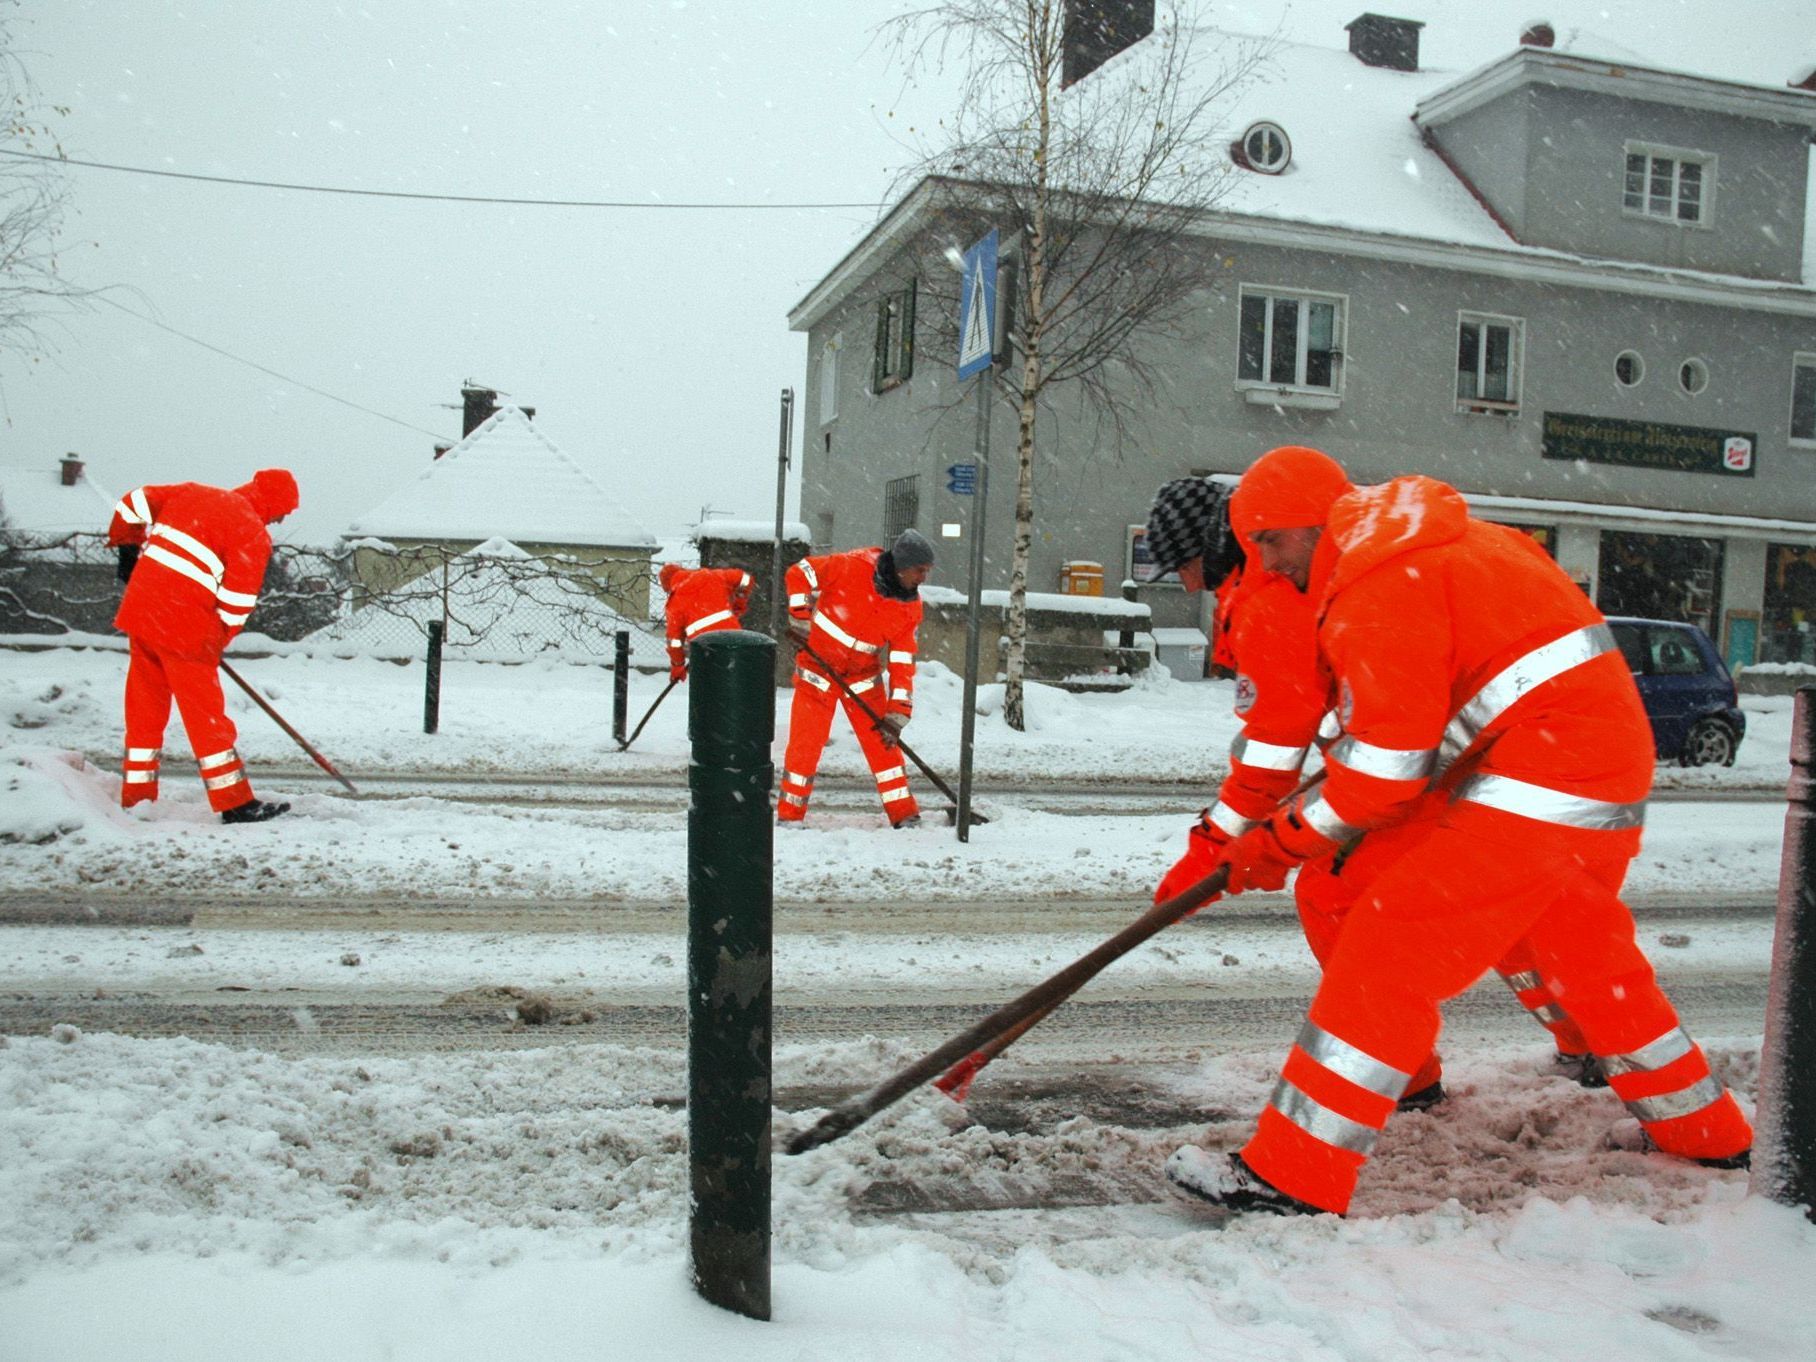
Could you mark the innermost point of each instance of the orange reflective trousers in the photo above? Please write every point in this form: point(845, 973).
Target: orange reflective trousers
point(152, 679)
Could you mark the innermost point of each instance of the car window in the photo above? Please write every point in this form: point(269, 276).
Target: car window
point(1673, 654)
point(1633, 645)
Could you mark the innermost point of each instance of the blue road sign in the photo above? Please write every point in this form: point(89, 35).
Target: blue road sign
point(977, 308)
point(961, 478)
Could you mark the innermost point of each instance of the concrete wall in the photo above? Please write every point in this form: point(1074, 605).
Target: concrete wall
point(623, 574)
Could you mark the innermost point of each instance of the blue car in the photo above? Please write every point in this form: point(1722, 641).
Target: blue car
point(1688, 693)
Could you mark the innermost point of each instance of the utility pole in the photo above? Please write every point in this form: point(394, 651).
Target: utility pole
point(775, 567)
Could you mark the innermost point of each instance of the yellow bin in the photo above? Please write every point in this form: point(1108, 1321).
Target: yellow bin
point(1080, 578)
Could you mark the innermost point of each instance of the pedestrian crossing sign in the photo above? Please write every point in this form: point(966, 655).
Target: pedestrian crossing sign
point(977, 308)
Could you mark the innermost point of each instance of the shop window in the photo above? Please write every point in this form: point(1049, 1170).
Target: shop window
point(901, 506)
point(1488, 364)
point(1662, 577)
point(1669, 185)
point(893, 362)
point(1803, 400)
point(1788, 629)
point(1289, 347)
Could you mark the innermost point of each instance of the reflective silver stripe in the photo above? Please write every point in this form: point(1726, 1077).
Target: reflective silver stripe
point(893, 773)
point(222, 782)
point(1320, 1122)
point(1330, 727)
point(1550, 806)
point(820, 618)
point(214, 759)
point(859, 687)
point(142, 753)
point(799, 800)
point(798, 599)
point(901, 693)
point(1527, 674)
point(709, 620)
point(1230, 821)
point(139, 777)
point(743, 581)
point(1655, 1054)
point(236, 597)
point(796, 777)
point(133, 508)
point(1351, 1062)
point(1668, 1106)
point(186, 541)
point(1385, 763)
point(674, 643)
point(902, 659)
point(1549, 1014)
point(1266, 756)
point(1524, 980)
point(813, 579)
point(159, 554)
point(813, 679)
point(890, 796)
point(232, 621)
point(1318, 815)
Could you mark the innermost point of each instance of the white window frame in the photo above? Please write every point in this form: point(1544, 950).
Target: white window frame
point(829, 378)
point(1265, 391)
point(1679, 157)
point(1516, 360)
point(1802, 359)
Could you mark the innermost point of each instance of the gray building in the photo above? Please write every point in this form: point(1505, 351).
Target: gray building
point(1580, 290)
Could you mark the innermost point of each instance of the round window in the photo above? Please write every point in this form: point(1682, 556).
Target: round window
point(1267, 148)
point(1629, 368)
point(1693, 376)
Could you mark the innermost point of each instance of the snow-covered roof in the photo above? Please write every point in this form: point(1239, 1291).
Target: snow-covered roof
point(1107, 606)
point(34, 501)
point(506, 478)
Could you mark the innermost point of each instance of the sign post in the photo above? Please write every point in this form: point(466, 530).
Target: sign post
point(976, 356)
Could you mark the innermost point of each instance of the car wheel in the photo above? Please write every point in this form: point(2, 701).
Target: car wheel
point(1710, 743)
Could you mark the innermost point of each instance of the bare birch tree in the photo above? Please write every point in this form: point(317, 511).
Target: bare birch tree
point(1097, 188)
point(33, 196)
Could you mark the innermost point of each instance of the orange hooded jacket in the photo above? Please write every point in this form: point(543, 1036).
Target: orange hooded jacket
point(855, 629)
point(701, 601)
point(203, 562)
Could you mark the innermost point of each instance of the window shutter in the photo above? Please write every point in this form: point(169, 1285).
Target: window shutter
point(879, 363)
point(908, 330)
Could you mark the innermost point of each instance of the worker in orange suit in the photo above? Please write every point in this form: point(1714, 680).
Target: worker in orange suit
point(700, 601)
point(1461, 655)
point(193, 559)
point(1267, 634)
point(854, 616)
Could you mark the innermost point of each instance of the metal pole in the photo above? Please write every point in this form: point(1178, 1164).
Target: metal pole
point(431, 696)
point(1784, 1163)
point(775, 567)
point(730, 898)
point(979, 506)
point(621, 687)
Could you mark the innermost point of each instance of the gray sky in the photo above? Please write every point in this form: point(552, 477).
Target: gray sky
point(653, 343)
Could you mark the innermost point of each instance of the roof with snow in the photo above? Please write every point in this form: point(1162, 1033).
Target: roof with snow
point(505, 479)
point(1359, 163)
point(34, 501)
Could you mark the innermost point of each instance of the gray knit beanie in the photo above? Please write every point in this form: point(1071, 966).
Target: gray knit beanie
point(911, 549)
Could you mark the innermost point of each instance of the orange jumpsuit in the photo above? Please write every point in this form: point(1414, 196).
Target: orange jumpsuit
point(1443, 630)
point(700, 601)
point(858, 634)
point(201, 566)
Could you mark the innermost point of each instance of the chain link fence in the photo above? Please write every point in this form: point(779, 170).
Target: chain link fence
point(496, 603)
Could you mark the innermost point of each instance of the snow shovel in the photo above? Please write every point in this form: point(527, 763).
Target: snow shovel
point(278, 719)
point(893, 738)
point(625, 745)
point(1008, 1021)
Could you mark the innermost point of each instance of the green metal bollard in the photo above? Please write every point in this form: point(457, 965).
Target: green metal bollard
point(730, 891)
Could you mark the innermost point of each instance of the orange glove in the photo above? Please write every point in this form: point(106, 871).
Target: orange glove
point(1257, 860)
point(1203, 852)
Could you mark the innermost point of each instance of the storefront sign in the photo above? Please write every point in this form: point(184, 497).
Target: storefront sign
point(1648, 444)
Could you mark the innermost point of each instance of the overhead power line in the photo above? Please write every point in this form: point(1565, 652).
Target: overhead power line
point(254, 364)
point(403, 194)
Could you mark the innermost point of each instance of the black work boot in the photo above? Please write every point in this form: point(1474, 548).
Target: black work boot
point(254, 811)
point(1224, 1183)
point(1584, 1070)
point(1424, 1099)
point(913, 820)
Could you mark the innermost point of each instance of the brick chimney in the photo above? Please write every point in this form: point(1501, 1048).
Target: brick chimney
point(1538, 33)
point(481, 404)
point(529, 413)
point(1804, 78)
point(1377, 40)
point(441, 448)
point(71, 467)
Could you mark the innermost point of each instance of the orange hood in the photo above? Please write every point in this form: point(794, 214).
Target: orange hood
point(1288, 488)
point(1371, 525)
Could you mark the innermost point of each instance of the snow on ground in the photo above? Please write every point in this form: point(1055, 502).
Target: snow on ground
point(168, 1199)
